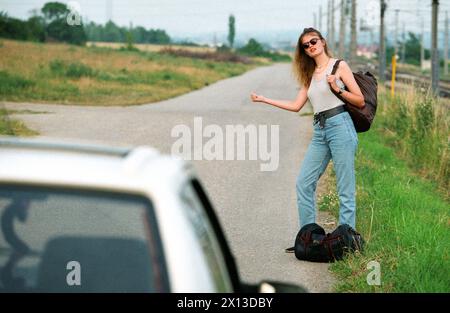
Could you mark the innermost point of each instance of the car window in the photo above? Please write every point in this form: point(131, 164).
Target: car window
point(219, 234)
point(207, 238)
point(55, 240)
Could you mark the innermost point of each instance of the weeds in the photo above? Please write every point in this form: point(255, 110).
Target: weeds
point(418, 127)
point(215, 56)
point(401, 214)
point(102, 76)
point(71, 70)
point(12, 127)
point(10, 83)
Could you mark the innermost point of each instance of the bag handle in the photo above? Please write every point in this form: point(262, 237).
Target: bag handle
point(335, 67)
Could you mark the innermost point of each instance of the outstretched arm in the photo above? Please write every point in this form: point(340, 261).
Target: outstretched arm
point(293, 106)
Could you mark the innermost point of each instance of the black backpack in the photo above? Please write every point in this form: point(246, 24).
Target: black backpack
point(362, 118)
point(312, 244)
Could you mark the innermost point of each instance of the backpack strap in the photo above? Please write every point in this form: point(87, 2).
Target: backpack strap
point(327, 243)
point(306, 240)
point(335, 67)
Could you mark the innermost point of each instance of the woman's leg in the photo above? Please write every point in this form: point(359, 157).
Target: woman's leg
point(313, 166)
point(343, 142)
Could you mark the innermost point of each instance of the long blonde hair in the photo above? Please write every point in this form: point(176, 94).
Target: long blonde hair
point(304, 65)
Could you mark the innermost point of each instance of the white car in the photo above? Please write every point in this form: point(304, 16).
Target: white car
point(89, 218)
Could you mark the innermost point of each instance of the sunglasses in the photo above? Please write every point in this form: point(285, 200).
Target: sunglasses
point(312, 42)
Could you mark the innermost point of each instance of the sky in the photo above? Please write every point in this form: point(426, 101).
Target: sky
point(185, 18)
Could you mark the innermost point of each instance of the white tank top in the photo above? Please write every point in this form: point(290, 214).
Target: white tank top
point(319, 93)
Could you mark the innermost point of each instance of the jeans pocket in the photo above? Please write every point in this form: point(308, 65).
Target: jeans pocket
point(335, 120)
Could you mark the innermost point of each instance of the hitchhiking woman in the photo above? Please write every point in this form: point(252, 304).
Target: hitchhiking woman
point(334, 135)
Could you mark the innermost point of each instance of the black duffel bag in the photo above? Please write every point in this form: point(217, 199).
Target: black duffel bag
point(312, 244)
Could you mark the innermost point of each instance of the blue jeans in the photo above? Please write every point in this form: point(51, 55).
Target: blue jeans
point(337, 140)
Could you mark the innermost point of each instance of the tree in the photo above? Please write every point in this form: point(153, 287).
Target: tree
point(139, 33)
point(13, 28)
point(253, 48)
point(412, 49)
point(112, 33)
point(36, 28)
point(93, 31)
point(158, 36)
point(54, 11)
point(231, 30)
point(57, 28)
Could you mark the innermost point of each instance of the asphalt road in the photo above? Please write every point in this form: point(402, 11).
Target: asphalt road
point(257, 208)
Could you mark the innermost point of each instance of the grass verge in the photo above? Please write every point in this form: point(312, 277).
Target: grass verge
point(402, 213)
point(12, 127)
point(60, 73)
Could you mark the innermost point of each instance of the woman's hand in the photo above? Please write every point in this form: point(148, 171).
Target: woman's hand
point(257, 98)
point(331, 79)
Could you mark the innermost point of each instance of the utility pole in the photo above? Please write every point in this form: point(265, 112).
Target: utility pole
point(332, 27)
point(396, 33)
point(353, 43)
point(382, 48)
point(342, 31)
point(109, 10)
point(446, 45)
point(422, 49)
point(315, 20)
point(434, 48)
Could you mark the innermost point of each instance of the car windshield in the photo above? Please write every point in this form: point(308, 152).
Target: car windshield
point(54, 240)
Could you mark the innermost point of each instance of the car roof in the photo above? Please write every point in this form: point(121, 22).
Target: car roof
point(74, 163)
point(141, 170)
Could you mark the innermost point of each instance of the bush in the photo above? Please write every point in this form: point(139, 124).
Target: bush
point(254, 48)
point(129, 47)
point(10, 84)
point(215, 56)
point(77, 70)
point(418, 127)
point(71, 70)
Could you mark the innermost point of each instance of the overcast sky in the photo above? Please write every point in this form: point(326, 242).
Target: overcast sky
point(185, 17)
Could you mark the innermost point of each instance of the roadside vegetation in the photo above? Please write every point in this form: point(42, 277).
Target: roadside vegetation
point(52, 64)
point(67, 74)
point(403, 208)
point(12, 127)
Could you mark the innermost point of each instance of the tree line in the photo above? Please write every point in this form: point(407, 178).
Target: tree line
point(110, 32)
point(51, 24)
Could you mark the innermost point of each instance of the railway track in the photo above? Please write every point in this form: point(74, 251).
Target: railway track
point(422, 82)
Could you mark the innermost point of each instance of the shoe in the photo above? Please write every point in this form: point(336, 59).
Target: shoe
point(290, 250)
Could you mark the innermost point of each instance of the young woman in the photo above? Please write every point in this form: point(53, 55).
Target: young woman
point(334, 134)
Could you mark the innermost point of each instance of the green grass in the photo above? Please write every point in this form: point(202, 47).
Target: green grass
point(418, 127)
point(12, 127)
point(403, 216)
point(10, 83)
point(60, 73)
